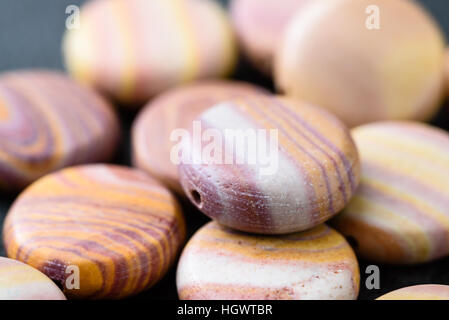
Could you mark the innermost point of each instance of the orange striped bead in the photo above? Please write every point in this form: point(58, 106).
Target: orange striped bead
point(135, 49)
point(118, 226)
point(221, 264)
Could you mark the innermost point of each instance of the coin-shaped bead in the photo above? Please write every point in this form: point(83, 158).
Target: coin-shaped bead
point(222, 264)
point(269, 165)
point(48, 122)
point(135, 49)
point(399, 213)
point(115, 228)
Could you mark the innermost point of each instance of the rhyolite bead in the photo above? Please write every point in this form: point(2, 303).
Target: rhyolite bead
point(177, 109)
point(47, 122)
point(120, 228)
point(310, 174)
point(334, 54)
point(19, 281)
point(222, 264)
point(399, 213)
point(260, 24)
point(135, 49)
point(419, 292)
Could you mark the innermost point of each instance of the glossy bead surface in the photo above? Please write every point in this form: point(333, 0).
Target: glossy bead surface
point(221, 264)
point(118, 226)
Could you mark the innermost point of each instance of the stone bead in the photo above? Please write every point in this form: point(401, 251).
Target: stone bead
point(118, 226)
point(399, 214)
point(259, 25)
point(19, 281)
point(419, 292)
point(332, 55)
point(311, 174)
point(135, 49)
point(47, 122)
point(176, 109)
point(221, 264)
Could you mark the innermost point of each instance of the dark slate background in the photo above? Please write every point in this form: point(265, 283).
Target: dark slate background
point(30, 36)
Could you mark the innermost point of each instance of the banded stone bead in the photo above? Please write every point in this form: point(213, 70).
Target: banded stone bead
point(135, 49)
point(19, 281)
point(419, 292)
point(310, 174)
point(222, 264)
point(120, 228)
point(154, 130)
point(400, 213)
point(48, 122)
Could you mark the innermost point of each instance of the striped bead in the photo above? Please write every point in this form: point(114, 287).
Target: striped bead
point(176, 109)
point(19, 281)
point(311, 174)
point(135, 49)
point(260, 25)
point(118, 226)
point(400, 213)
point(48, 122)
point(419, 292)
point(222, 264)
point(364, 60)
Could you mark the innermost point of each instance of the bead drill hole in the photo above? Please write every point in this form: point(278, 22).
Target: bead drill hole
point(196, 197)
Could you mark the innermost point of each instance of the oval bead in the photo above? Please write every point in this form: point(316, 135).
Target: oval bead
point(135, 49)
point(311, 172)
point(48, 122)
point(399, 213)
point(335, 54)
point(419, 292)
point(170, 112)
point(222, 264)
point(19, 281)
point(117, 226)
